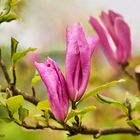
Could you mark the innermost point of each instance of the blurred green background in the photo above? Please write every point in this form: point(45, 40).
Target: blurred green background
point(43, 25)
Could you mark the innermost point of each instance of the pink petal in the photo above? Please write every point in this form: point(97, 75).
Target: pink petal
point(123, 33)
point(110, 27)
point(113, 15)
point(104, 40)
point(77, 62)
point(56, 86)
point(93, 42)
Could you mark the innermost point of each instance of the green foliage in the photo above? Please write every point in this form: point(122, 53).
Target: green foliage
point(2, 99)
point(17, 56)
point(43, 105)
point(4, 7)
point(97, 89)
point(35, 79)
point(14, 103)
point(14, 44)
point(23, 113)
point(108, 100)
point(8, 17)
point(73, 113)
point(134, 123)
point(133, 100)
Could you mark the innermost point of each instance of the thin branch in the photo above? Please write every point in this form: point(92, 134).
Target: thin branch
point(33, 91)
point(26, 96)
point(86, 131)
point(14, 75)
point(4, 69)
point(130, 75)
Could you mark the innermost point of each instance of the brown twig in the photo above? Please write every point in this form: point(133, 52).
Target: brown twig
point(86, 131)
point(33, 91)
point(26, 96)
point(4, 69)
point(14, 74)
point(130, 75)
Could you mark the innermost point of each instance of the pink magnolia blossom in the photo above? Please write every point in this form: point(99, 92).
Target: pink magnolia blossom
point(56, 86)
point(119, 32)
point(78, 55)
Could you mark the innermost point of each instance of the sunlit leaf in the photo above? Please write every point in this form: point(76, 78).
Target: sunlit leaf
point(134, 123)
point(43, 105)
point(23, 113)
point(108, 100)
point(4, 7)
point(17, 56)
point(47, 114)
point(96, 90)
point(8, 17)
point(14, 103)
point(73, 113)
point(39, 118)
point(2, 99)
point(14, 2)
point(35, 79)
point(133, 100)
point(14, 44)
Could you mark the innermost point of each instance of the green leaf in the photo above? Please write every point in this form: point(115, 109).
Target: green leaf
point(134, 123)
point(105, 99)
point(17, 56)
point(14, 2)
point(14, 44)
point(73, 113)
point(23, 113)
point(14, 103)
point(108, 100)
point(8, 18)
point(43, 105)
point(47, 114)
point(96, 90)
point(35, 79)
point(2, 99)
point(4, 7)
point(133, 100)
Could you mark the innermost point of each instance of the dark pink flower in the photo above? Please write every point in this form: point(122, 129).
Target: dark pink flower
point(78, 55)
point(119, 32)
point(55, 83)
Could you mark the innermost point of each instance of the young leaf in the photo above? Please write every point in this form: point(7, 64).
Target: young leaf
point(47, 115)
point(8, 18)
point(73, 113)
point(108, 100)
point(17, 56)
point(96, 90)
point(2, 99)
point(14, 103)
point(105, 99)
point(4, 7)
point(14, 3)
point(35, 79)
point(134, 123)
point(43, 105)
point(133, 100)
point(14, 44)
point(23, 113)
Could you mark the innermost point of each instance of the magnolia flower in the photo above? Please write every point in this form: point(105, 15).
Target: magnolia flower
point(56, 86)
point(78, 54)
point(119, 32)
